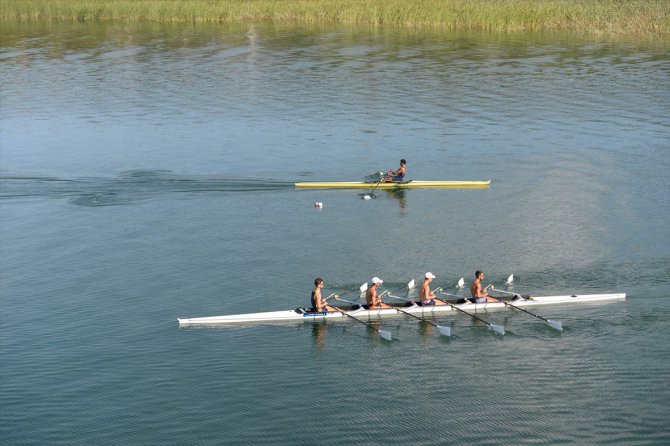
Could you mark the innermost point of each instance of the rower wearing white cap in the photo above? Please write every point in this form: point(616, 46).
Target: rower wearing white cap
point(426, 296)
point(373, 299)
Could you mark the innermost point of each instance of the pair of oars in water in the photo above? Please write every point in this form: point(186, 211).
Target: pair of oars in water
point(383, 333)
point(553, 324)
point(446, 331)
point(499, 328)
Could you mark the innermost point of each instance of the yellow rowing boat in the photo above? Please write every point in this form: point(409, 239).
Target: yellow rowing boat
point(411, 184)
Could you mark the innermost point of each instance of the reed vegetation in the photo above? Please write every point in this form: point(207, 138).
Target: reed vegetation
point(629, 17)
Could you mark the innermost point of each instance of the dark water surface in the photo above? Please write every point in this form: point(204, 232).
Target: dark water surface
point(146, 173)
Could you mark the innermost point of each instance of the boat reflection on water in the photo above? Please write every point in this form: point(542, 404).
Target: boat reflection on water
point(319, 335)
point(425, 330)
point(398, 194)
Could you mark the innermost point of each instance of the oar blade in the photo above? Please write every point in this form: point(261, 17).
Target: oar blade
point(461, 283)
point(445, 331)
point(411, 284)
point(556, 325)
point(497, 328)
point(510, 279)
point(385, 335)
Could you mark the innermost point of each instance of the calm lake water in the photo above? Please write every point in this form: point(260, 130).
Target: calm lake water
point(147, 174)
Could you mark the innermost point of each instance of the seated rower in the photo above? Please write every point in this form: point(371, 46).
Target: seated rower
point(319, 304)
point(427, 297)
point(396, 175)
point(479, 295)
point(373, 299)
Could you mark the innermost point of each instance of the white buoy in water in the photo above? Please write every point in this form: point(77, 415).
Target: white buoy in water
point(318, 204)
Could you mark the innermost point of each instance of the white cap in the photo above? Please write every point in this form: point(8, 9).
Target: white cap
point(376, 280)
point(429, 276)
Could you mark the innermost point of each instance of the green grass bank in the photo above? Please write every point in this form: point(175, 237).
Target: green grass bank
point(619, 17)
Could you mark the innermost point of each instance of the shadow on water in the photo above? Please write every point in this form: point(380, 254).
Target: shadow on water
point(129, 187)
point(396, 194)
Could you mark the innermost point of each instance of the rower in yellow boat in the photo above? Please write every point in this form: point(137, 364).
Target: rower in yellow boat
point(396, 175)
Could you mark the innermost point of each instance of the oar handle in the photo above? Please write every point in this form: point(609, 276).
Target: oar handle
point(435, 291)
point(396, 290)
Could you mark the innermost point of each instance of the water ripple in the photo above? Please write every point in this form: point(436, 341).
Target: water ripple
point(130, 187)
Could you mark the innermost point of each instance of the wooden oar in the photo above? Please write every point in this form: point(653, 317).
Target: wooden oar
point(497, 328)
point(556, 325)
point(384, 334)
point(446, 331)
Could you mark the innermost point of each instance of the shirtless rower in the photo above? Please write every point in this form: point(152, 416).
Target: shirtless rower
point(396, 175)
point(479, 295)
point(373, 299)
point(426, 296)
point(319, 304)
